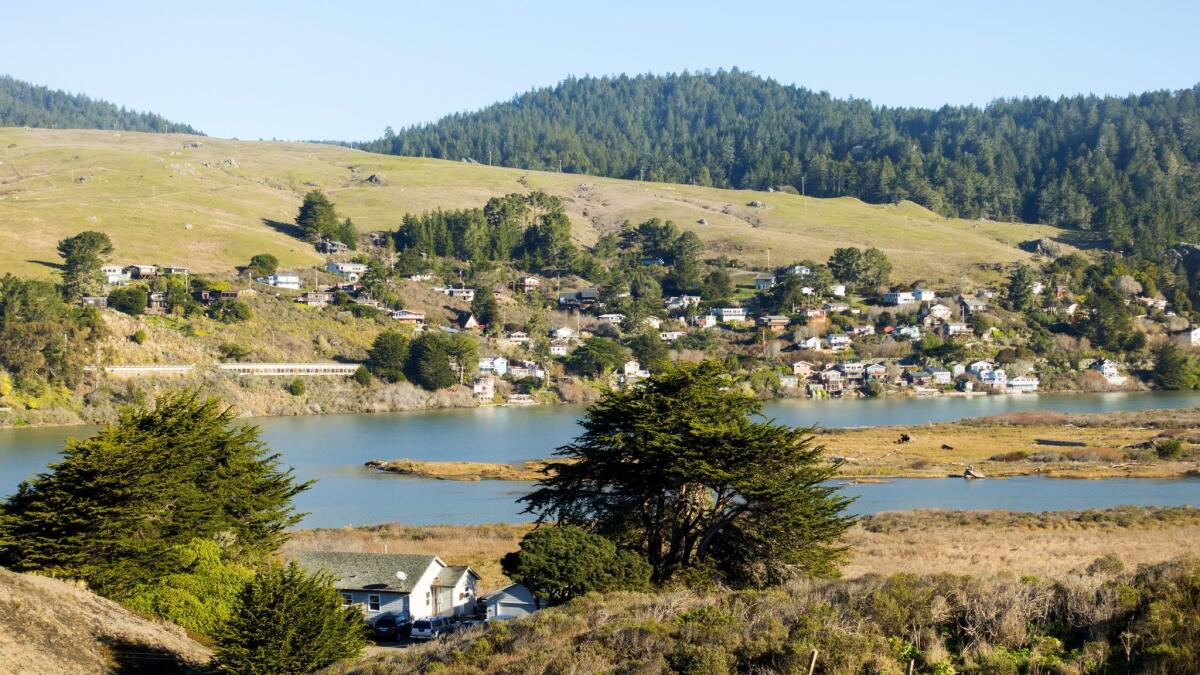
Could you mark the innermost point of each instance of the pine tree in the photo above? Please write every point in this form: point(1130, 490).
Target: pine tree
point(317, 217)
point(115, 505)
point(83, 255)
point(387, 356)
point(288, 621)
point(428, 363)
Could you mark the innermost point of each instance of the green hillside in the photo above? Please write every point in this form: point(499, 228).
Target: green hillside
point(210, 204)
point(29, 105)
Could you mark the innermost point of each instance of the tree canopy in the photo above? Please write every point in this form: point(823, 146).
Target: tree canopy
point(681, 470)
point(83, 255)
point(559, 563)
point(28, 105)
point(111, 511)
point(1121, 166)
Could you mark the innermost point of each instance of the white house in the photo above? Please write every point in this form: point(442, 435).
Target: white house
point(799, 270)
point(407, 587)
point(560, 347)
point(496, 365)
point(955, 329)
point(464, 294)
point(730, 314)
point(789, 381)
point(704, 320)
point(763, 282)
point(1188, 338)
point(836, 307)
point(531, 284)
point(838, 290)
point(910, 332)
point(484, 388)
point(923, 295)
point(288, 280)
point(408, 317)
point(350, 271)
point(114, 275)
point(940, 312)
point(614, 319)
point(520, 370)
point(517, 337)
point(978, 368)
point(511, 602)
point(562, 332)
point(633, 369)
point(995, 379)
point(809, 343)
point(676, 303)
point(1022, 383)
point(898, 298)
point(1110, 371)
point(839, 341)
point(671, 335)
point(941, 376)
point(652, 321)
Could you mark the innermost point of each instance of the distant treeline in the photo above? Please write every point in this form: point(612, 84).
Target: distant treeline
point(1125, 167)
point(28, 105)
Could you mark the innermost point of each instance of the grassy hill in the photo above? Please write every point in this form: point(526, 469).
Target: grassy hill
point(48, 626)
point(210, 204)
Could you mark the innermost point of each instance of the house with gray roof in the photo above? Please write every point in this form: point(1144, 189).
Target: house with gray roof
point(511, 602)
point(404, 586)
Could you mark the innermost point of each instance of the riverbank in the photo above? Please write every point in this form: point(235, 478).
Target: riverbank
point(1054, 445)
point(921, 541)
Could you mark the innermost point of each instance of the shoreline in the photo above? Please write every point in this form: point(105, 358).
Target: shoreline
point(47, 416)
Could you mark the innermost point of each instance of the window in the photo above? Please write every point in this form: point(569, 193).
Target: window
point(347, 599)
point(428, 598)
point(373, 603)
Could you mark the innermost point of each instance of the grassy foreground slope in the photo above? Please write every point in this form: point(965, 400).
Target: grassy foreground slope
point(164, 199)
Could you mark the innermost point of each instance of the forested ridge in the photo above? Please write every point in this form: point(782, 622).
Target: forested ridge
point(28, 105)
point(1126, 167)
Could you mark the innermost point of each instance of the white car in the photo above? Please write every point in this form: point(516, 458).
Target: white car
point(431, 628)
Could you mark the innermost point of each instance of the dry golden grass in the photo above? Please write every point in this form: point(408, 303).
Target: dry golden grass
point(958, 542)
point(163, 201)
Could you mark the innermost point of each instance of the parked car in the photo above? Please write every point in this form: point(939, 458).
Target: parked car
point(391, 628)
point(431, 628)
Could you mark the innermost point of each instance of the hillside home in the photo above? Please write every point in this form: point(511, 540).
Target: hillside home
point(156, 303)
point(585, 297)
point(835, 307)
point(809, 343)
point(939, 312)
point(464, 294)
point(671, 335)
point(1110, 371)
point(560, 347)
point(876, 372)
point(995, 379)
point(421, 277)
point(406, 317)
point(730, 314)
point(494, 365)
point(838, 290)
point(407, 587)
point(1187, 338)
point(978, 368)
point(863, 329)
point(288, 280)
point(311, 298)
point(141, 271)
point(833, 381)
point(908, 332)
point(529, 284)
point(952, 330)
point(517, 337)
point(898, 298)
point(920, 378)
point(681, 302)
point(174, 271)
point(562, 332)
point(802, 369)
point(331, 247)
point(814, 313)
point(923, 295)
point(484, 388)
point(763, 282)
point(652, 322)
point(632, 370)
point(839, 341)
point(97, 301)
point(519, 370)
point(614, 319)
point(114, 275)
point(774, 322)
point(941, 376)
point(853, 371)
point(789, 382)
point(969, 305)
point(468, 321)
point(1023, 384)
point(350, 271)
point(799, 270)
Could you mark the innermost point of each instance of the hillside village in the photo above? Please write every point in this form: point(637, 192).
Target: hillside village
point(804, 329)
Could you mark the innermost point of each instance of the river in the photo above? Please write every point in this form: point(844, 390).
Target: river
point(333, 448)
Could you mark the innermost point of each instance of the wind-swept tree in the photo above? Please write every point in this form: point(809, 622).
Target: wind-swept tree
point(683, 471)
point(113, 509)
point(83, 255)
point(317, 217)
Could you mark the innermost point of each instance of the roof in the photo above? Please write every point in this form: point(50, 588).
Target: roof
point(450, 575)
point(369, 571)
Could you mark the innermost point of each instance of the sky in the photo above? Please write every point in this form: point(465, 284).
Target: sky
point(345, 69)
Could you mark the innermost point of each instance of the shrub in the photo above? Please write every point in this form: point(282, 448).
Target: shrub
point(139, 337)
point(387, 356)
point(362, 376)
point(287, 621)
point(263, 264)
point(562, 562)
point(1095, 455)
point(1171, 448)
point(228, 310)
point(201, 594)
point(1014, 456)
point(296, 387)
point(131, 300)
point(232, 352)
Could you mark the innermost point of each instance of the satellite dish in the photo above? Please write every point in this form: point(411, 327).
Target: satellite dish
point(401, 575)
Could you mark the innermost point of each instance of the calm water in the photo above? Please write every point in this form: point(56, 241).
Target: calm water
point(333, 448)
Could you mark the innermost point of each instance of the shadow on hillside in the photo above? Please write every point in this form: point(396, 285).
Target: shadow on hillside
point(289, 229)
point(131, 658)
point(47, 263)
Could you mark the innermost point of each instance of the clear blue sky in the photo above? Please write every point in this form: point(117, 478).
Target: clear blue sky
point(346, 69)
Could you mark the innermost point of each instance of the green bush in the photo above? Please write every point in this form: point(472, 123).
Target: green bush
point(362, 376)
point(287, 621)
point(1171, 448)
point(139, 337)
point(563, 562)
point(296, 387)
point(201, 594)
point(131, 300)
point(228, 310)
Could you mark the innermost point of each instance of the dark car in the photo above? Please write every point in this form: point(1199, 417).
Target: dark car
point(391, 628)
